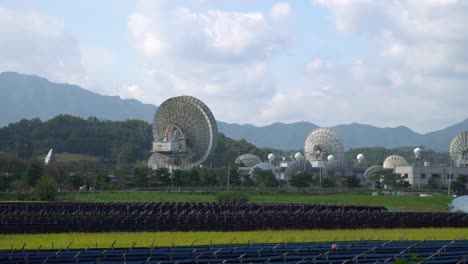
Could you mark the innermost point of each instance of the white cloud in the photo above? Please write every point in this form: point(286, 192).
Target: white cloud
point(280, 11)
point(415, 68)
point(33, 43)
point(221, 57)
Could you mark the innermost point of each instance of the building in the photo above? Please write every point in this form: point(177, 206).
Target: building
point(420, 175)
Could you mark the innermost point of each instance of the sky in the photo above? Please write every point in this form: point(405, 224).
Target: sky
point(381, 62)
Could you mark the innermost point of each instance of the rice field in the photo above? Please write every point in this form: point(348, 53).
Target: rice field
point(145, 239)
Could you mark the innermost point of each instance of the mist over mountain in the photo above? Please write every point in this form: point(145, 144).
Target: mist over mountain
point(27, 96)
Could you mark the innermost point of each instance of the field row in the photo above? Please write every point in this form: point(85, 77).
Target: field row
point(108, 217)
point(330, 252)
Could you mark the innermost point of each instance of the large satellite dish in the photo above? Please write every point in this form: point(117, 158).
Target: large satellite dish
point(184, 133)
point(248, 160)
point(394, 161)
point(320, 144)
point(459, 149)
point(372, 170)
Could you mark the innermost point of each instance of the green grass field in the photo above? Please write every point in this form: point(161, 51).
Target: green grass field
point(401, 203)
point(68, 157)
point(144, 239)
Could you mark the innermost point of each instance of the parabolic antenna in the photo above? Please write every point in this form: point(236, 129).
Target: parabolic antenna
point(184, 133)
point(50, 158)
point(247, 160)
point(299, 165)
point(321, 143)
point(394, 161)
point(336, 165)
point(263, 166)
point(459, 149)
point(372, 170)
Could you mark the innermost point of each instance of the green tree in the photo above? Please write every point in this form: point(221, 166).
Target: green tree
point(210, 178)
point(301, 179)
point(193, 177)
point(265, 178)
point(5, 181)
point(459, 183)
point(234, 178)
point(102, 181)
point(140, 174)
point(179, 177)
point(328, 183)
point(353, 182)
point(74, 181)
point(46, 188)
point(433, 182)
point(164, 175)
point(34, 172)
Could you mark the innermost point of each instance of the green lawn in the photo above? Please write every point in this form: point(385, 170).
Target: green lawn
point(402, 203)
point(144, 239)
point(67, 157)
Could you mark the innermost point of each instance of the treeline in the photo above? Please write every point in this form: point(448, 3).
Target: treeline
point(120, 141)
point(114, 142)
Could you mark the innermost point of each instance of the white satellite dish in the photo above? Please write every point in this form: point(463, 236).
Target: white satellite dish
point(50, 158)
point(459, 149)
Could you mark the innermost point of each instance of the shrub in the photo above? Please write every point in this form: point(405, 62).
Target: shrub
point(232, 197)
point(46, 189)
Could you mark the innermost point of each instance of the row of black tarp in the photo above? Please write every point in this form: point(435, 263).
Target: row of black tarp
point(227, 222)
point(346, 252)
point(119, 208)
point(106, 217)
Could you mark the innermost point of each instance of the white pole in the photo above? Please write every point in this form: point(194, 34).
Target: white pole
point(450, 179)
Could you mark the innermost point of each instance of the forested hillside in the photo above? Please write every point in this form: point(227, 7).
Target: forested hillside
point(112, 141)
point(117, 142)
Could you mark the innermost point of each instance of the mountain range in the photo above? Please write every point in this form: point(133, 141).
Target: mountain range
point(28, 96)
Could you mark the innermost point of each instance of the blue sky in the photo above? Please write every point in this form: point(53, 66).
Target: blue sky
point(385, 63)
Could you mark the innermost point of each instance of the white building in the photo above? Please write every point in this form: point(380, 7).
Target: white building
point(419, 176)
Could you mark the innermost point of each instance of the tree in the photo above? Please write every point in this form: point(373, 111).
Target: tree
point(74, 181)
point(301, 179)
point(164, 176)
point(179, 177)
point(265, 178)
point(193, 177)
point(210, 178)
point(5, 181)
point(327, 183)
point(433, 182)
point(459, 183)
point(34, 172)
point(140, 174)
point(353, 182)
point(46, 189)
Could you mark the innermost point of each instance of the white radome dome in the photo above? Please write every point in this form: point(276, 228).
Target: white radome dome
point(331, 158)
point(417, 152)
point(360, 157)
point(271, 157)
point(298, 156)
